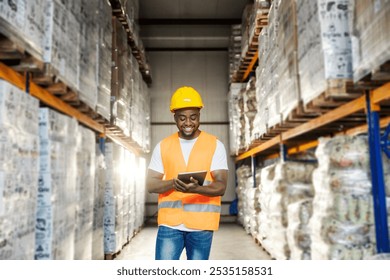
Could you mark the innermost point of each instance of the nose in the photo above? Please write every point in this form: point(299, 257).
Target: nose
point(187, 121)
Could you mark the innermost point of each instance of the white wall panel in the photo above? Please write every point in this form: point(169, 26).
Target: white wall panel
point(205, 71)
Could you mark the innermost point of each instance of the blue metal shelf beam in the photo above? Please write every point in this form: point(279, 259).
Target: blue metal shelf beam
point(377, 177)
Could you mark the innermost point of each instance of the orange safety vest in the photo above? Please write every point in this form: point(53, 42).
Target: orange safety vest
point(193, 210)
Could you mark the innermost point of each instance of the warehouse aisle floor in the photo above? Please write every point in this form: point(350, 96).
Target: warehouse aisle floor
point(230, 242)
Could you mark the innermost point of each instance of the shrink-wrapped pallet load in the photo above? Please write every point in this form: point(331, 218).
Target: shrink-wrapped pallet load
point(287, 69)
point(124, 197)
point(323, 38)
point(84, 188)
point(236, 117)
point(298, 233)
point(243, 175)
point(120, 94)
point(23, 22)
point(342, 224)
point(250, 110)
point(104, 49)
point(271, 69)
point(267, 75)
point(56, 199)
point(98, 205)
point(248, 203)
point(284, 184)
point(261, 118)
point(89, 37)
point(234, 49)
point(247, 16)
point(62, 43)
point(370, 30)
point(19, 171)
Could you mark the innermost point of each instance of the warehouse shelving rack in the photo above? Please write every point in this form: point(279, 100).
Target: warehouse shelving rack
point(138, 52)
point(59, 95)
point(370, 103)
point(361, 114)
point(23, 82)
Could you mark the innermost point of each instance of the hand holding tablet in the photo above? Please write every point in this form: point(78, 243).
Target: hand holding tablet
point(197, 175)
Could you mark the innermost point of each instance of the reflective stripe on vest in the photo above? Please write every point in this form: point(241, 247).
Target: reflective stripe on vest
point(170, 204)
point(190, 207)
point(193, 210)
point(202, 208)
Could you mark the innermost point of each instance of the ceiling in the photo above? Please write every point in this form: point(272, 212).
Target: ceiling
point(188, 24)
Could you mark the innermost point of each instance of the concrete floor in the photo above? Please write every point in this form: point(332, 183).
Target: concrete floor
point(230, 242)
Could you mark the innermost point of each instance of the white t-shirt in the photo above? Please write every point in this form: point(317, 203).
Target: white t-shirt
point(219, 162)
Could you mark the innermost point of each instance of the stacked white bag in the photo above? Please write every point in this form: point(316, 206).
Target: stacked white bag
point(285, 186)
point(342, 225)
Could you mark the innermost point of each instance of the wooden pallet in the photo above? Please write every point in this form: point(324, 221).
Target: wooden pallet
point(261, 20)
point(247, 62)
point(337, 93)
point(377, 77)
point(111, 256)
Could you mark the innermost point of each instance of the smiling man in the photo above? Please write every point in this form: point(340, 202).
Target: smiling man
point(188, 214)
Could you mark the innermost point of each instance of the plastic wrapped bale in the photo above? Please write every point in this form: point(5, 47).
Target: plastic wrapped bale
point(250, 110)
point(234, 117)
point(288, 87)
point(370, 29)
point(324, 37)
point(261, 118)
point(342, 225)
point(85, 201)
point(248, 203)
point(56, 199)
point(298, 233)
point(19, 171)
point(283, 184)
point(243, 174)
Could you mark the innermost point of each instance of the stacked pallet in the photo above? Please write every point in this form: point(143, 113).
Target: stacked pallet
point(129, 95)
point(127, 12)
point(323, 36)
point(56, 208)
point(287, 72)
point(234, 49)
point(98, 205)
point(342, 225)
point(254, 18)
point(284, 185)
point(19, 171)
point(236, 117)
point(123, 194)
point(267, 75)
point(104, 55)
point(248, 205)
point(370, 29)
point(250, 111)
point(68, 48)
point(85, 185)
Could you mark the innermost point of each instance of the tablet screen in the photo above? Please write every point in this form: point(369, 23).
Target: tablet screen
point(197, 175)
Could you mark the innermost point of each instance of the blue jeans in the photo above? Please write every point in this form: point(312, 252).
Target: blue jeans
point(171, 242)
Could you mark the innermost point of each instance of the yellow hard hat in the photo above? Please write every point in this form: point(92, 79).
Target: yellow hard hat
point(185, 97)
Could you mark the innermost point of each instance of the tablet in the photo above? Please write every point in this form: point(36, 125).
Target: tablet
point(197, 175)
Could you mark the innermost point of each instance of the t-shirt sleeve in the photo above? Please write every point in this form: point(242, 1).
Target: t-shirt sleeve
point(219, 160)
point(156, 163)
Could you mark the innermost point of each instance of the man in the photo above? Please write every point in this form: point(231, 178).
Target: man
point(187, 213)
